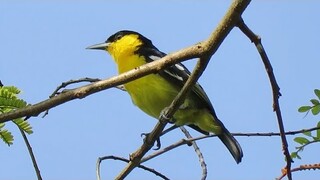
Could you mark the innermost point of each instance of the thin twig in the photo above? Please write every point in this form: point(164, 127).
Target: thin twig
point(65, 84)
point(275, 90)
point(277, 134)
point(301, 168)
point(198, 152)
point(70, 82)
point(100, 159)
point(188, 141)
point(34, 162)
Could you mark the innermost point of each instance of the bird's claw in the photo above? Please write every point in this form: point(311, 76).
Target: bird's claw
point(158, 145)
point(164, 117)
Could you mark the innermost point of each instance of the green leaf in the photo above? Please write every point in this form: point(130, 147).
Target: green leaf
point(316, 109)
point(317, 92)
point(301, 140)
point(294, 155)
point(307, 133)
point(298, 156)
point(24, 125)
point(11, 89)
point(315, 101)
point(9, 101)
point(12, 103)
point(303, 109)
point(6, 136)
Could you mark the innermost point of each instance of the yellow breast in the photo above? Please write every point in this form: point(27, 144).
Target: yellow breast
point(151, 94)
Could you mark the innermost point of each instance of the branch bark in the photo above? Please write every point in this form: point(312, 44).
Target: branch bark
point(83, 91)
point(275, 90)
point(100, 159)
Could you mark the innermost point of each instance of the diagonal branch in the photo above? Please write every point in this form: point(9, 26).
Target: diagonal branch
point(275, 90)
point(208, 48)
point(135, 158)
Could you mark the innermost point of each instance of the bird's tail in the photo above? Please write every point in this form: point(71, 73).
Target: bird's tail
point(232, 144)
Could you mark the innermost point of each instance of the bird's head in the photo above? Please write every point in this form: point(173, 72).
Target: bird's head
point(123, 43)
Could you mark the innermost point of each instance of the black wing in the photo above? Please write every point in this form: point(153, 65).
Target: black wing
point(178, 74)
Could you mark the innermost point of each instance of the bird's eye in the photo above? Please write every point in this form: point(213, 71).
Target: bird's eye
point(119, 36)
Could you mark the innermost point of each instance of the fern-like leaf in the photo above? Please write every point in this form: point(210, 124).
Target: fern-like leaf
point(9, 101)
point(12, 103)
point(23, 125)
point(12, 89)
point(8, 92)
point(6, 135)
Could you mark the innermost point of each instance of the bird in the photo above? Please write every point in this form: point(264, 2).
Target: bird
point(154, 92)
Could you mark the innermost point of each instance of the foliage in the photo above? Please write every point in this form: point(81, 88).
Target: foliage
point(9, 101)
point(308, 137)
point(315, 108)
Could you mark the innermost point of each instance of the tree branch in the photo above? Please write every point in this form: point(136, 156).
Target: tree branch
point(100, 159)
point(83, 91)
point(135, 158)
point(191, 52)
point(300, 168)
point(253, 134)
point(198, 152)
point(190, 140)
point(275, 90)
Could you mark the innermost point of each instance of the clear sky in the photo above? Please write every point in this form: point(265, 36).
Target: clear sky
point(43, 44)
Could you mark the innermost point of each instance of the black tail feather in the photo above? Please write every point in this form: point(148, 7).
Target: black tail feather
point(232, 144)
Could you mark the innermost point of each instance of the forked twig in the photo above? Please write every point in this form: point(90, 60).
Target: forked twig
point(100, 159)
point(275, 90)
point(198, 152)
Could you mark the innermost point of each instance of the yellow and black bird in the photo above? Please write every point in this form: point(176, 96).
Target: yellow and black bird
point(154, 92)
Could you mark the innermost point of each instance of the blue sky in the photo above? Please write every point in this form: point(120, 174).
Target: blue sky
point(43, 44)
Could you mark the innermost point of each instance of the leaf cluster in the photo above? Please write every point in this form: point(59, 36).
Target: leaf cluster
point(9, 101)
point(315, 107)
point(308, 137)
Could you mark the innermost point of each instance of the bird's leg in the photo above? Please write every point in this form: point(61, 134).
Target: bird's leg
point(165, 119)
point(158, 140)
point(168, 130)
point(158, 145)
point(163, 116)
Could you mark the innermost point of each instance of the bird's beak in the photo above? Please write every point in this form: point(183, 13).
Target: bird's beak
point(101, 46)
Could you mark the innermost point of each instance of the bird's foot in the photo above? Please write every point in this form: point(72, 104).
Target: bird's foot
point(145, 140)
point(163, 117)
